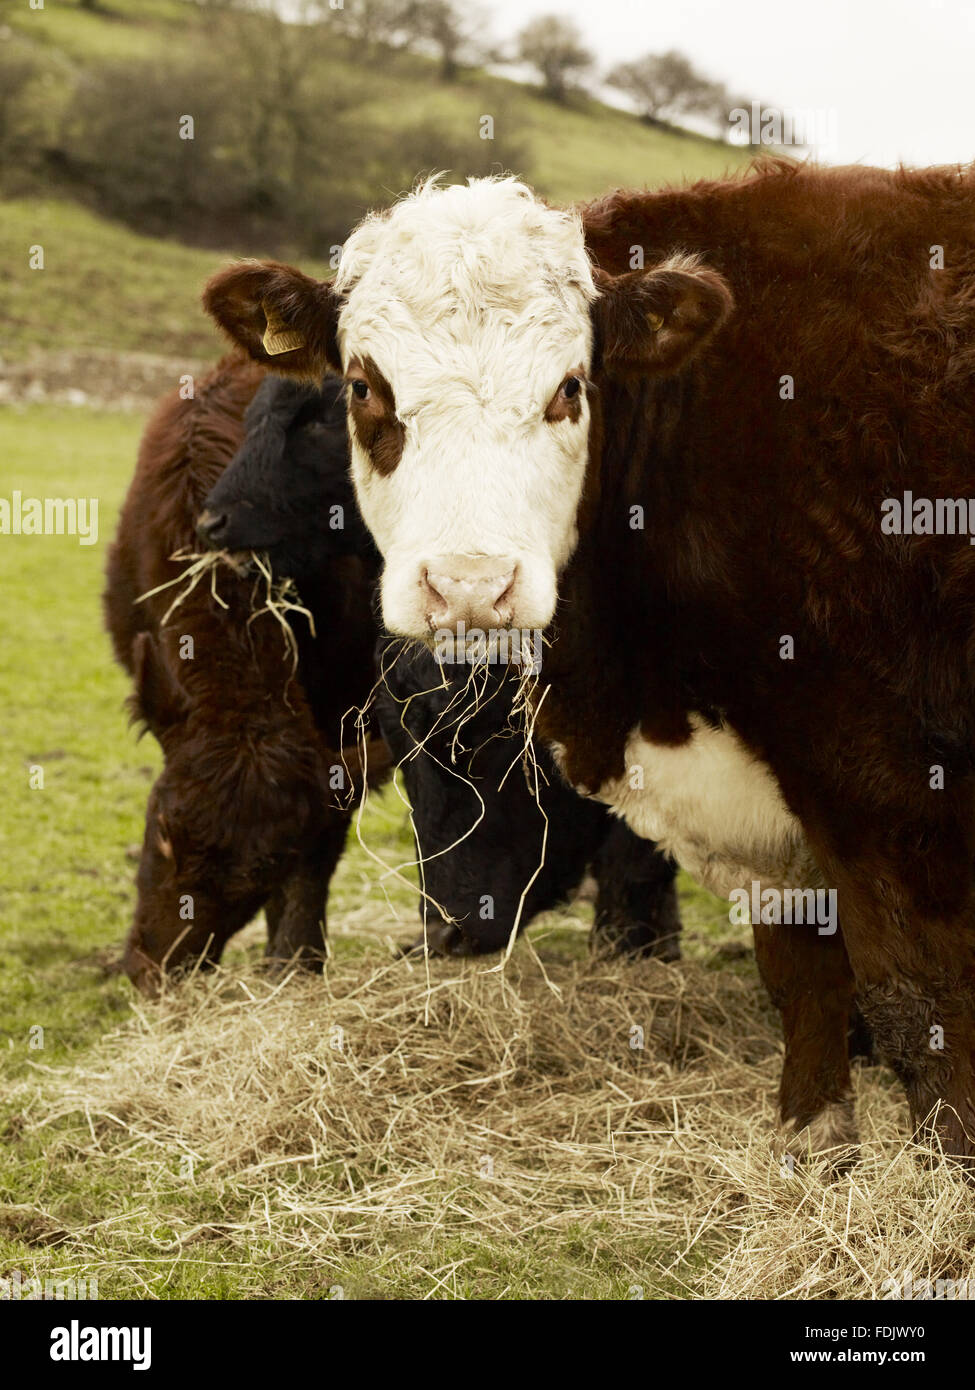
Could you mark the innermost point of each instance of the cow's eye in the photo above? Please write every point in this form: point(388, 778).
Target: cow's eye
point(566, 404)
point(360, 389)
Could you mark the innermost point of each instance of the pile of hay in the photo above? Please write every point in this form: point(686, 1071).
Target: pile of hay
point(394, 1113)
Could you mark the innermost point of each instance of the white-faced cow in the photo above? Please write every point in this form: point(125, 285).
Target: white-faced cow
point(713, 437)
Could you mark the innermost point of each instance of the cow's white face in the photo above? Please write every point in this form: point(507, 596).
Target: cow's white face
point(462, 321)
point(466, 339)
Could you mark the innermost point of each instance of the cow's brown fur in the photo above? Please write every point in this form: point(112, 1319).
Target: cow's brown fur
point(762, 518)
point(243, 814)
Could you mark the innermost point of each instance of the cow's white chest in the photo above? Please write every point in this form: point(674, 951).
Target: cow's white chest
point(715, 807)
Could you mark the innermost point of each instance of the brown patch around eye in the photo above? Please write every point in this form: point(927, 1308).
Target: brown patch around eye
point(374, 420)
point(566, 404)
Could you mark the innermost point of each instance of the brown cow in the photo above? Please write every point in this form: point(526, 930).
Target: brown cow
point(729, 431)
point(253, 803)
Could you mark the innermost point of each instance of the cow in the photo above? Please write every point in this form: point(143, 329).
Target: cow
point(285, 481)
point(683, 431)
point(500, 837)
point(254, 800)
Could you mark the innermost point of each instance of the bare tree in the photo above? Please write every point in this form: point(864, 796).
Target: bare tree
point(665, 85)
point(457, 32)
point(556, 48)
point(281, 115)
point(374, 23)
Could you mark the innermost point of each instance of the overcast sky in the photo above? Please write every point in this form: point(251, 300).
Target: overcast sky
point(900, 74)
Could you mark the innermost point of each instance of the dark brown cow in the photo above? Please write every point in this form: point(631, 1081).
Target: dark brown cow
point(250, 810)
point(698, 445)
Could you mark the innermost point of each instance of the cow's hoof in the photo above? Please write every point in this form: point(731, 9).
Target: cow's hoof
point(831, 1138)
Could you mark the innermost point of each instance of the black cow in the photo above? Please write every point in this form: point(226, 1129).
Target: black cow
point(493, 827)
point(287, 490)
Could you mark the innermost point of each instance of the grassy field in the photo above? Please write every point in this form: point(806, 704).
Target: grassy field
point(102, 285)
point(119, 29)
point(389, 1131)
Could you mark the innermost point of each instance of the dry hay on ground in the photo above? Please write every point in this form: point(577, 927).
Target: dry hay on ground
point(395, 1107)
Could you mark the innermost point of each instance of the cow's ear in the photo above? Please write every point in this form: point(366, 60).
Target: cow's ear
point(279, 316)
point(653, 321)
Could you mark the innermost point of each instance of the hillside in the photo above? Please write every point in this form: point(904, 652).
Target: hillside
point(103, 285)
point(109, 287)
point(579, 151)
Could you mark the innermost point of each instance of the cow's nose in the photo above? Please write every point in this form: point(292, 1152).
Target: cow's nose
point(472, 589)
point(211, 526)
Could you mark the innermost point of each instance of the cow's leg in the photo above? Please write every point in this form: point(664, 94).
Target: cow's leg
point(636, 907)
point(915, 977)
point(296, 910)
point(295, 915)
point(810, 982)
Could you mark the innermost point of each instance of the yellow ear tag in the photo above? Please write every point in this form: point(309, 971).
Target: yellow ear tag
point(655, 321)
point(277, 338)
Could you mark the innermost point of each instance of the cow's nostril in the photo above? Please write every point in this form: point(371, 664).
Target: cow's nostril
point(502, 602)
point(436, 605)
point(211, 526)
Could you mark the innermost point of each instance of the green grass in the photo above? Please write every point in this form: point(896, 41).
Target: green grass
point(102, 285)
point(65, 883)
point(118, 29)
point(573, 1263)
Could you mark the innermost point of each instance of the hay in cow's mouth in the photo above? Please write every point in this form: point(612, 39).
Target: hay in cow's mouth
point(280, 599)
point(280, 596)
point(466, 700)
